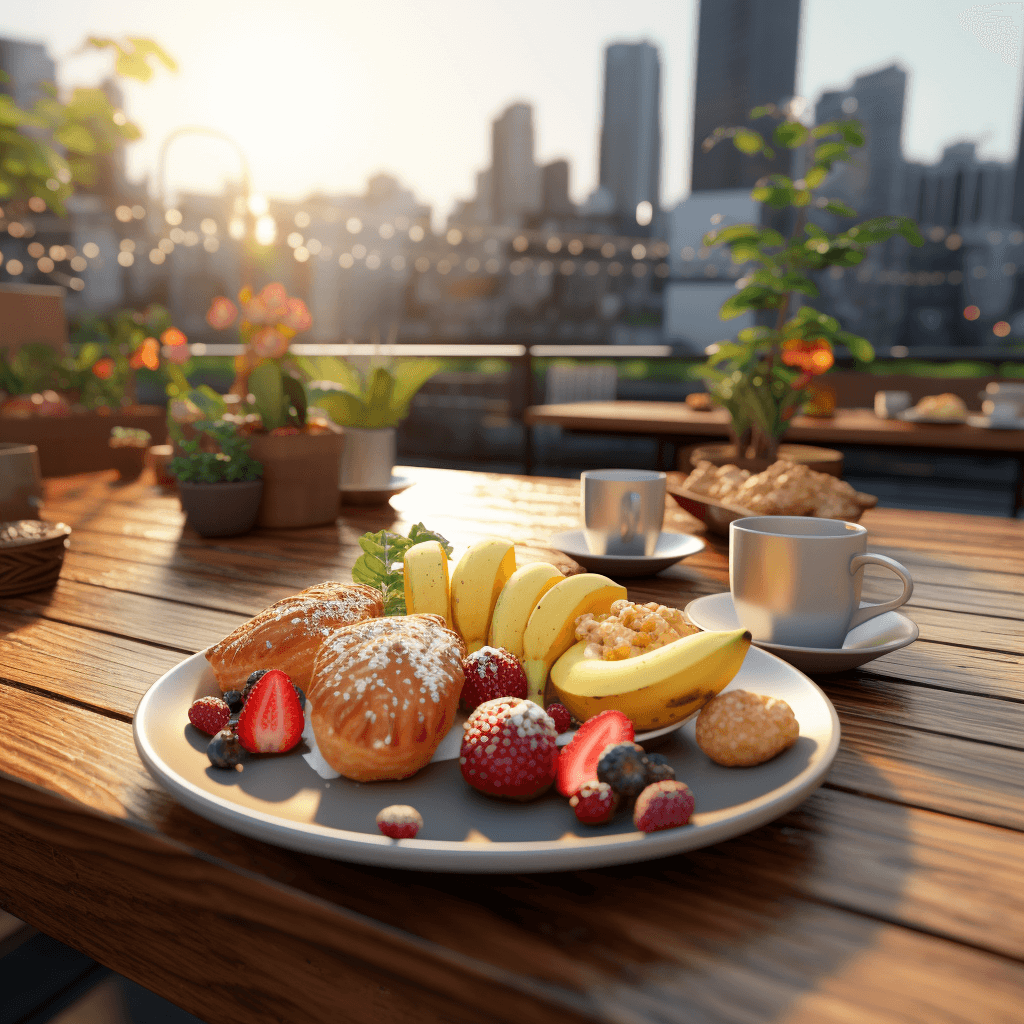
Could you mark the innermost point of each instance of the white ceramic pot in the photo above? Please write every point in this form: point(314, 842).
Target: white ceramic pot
point(368, 458)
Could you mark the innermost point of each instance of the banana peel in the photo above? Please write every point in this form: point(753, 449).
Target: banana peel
point(657, 688)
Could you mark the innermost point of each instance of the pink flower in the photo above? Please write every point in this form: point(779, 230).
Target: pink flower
point(275, 301)
point(222, 313)
point(298, 317)
point(269, 343)
point(177, 354)
point(255, 312)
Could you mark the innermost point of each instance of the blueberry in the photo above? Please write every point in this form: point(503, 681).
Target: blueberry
point(624, 767)
point(224, 750)
point(254, 678)
point(233, 699)
point(301, 696)
point(659, 770)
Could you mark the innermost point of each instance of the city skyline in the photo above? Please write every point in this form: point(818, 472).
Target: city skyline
point(423, 113)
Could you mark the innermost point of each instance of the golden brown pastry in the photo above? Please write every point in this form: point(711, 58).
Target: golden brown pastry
point(384, 693)
point(288, 634)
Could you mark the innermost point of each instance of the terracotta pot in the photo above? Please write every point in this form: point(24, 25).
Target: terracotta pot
point(300, 478)
point(221, 510)
point(821, 460)
point(368, 459)
point(129, 461)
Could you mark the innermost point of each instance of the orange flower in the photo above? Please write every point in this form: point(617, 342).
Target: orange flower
point(269, 343)
point(172, 336)
point(298, 316)
point(275, 301)
point(146, 355)
point(813, 357)
point(104, 368)
point(222, 313)
point(245, 296)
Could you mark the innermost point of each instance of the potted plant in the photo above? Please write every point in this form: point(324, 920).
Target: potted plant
point(762, 377)
point(219, 482)
point(369, 406)
point(300, 454)
point(129, 446)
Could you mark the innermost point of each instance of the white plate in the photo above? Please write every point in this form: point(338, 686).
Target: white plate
point(883, 634)
point(671, 548)
point(987, 424)
point(913, 416)
point(375, 495)
point(281, 799)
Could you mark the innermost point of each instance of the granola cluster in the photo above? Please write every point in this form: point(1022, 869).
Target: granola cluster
point(630, 629)
point(783, 489)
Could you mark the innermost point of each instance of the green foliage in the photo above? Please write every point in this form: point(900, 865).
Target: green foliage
point(130, 437)
point(279, 398)
point(216, 454)
point(750, 377)
point(383, 552)
point(48, 150)
point(378, 398)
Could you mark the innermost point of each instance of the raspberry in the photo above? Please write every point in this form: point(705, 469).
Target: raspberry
point(559, 714)
point(399, 821)
point(209, 715)
point(663, 805)
point(509, 749)
point(492, 672)
point(658, 769)
point(595, 803)
point(624, 767)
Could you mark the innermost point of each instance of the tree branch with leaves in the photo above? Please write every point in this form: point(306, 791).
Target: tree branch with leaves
point(762, 377)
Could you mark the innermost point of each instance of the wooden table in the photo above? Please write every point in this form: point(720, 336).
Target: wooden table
point(678, 424)
point(892, 895)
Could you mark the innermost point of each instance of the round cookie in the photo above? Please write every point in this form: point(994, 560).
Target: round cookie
point(739, 729)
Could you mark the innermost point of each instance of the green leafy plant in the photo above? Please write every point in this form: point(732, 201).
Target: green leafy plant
point(761, 378)
point(216, 454)
point(378, 398)
point(129, 437)
point(383, 553)
point(47, 150)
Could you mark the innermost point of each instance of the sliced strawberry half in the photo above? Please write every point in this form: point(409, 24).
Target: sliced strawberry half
point(271, 721)
point(577, 761)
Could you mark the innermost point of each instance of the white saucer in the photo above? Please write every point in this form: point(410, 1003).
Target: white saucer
point(671, 548)
point(375, 495)
point(881, 635)
point(913, 416)
point(987, 424)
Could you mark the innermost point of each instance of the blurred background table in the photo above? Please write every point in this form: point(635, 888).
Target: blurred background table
point(891, 896)
point(677, 426)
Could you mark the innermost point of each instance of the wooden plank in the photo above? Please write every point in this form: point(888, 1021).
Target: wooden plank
point(947, 877)
point(947, 774)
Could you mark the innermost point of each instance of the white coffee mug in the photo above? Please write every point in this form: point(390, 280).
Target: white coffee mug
point(889, 404)
point(796, 580)
point(622, 510)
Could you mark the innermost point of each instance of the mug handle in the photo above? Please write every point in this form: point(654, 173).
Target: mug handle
point(871, 610)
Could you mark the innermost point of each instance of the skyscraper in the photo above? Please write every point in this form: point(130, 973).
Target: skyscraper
point(27, 66)
point(746, 57)
point(515, 178)
point(630, 158)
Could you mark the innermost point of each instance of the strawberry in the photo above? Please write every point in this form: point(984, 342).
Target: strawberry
point(491, 672)
point(509, 749)
point(663, 805)
point(271, 721)
point(595, 803)
point(399, 821)
point(577, 762)
point(209, 715)
point(559, 714)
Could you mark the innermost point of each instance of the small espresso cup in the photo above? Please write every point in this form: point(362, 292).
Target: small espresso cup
point(889, 404)
point(622, 510)
point(796, 580)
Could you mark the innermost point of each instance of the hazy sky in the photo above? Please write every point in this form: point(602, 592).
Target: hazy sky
point(321, 93)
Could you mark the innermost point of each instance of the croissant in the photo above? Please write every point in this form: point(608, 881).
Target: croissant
point(384, 693)
point(288, 634)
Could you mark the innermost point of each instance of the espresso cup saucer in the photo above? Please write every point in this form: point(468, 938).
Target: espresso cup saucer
point(375, 495)
point(881, 635)
point(671, 548)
